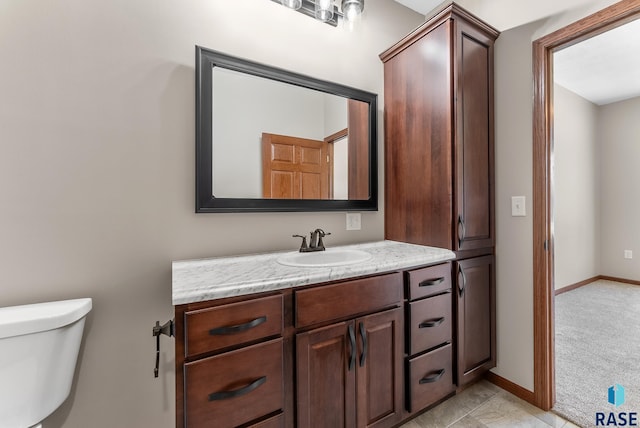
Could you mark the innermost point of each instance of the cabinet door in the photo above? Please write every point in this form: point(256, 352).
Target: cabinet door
point(476, 317)
point(418, 129)
point(326, 367)
point(379, 375)
point(473, 210)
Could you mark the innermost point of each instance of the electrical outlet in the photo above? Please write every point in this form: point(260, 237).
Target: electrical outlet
point(354, 221)
point(628, 254)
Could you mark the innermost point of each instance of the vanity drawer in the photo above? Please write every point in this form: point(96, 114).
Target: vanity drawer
point(429, 281)
point(233, 324)
point(430, 323)
point(430, 378)
point(234, 388)
point(276, 421)
point(347, 299)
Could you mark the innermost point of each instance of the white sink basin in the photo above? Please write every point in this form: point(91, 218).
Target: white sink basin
point(328, 258)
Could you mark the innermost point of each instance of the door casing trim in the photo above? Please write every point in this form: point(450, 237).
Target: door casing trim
point(543, 293)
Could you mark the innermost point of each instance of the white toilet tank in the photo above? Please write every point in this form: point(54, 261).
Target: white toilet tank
point(39, 346)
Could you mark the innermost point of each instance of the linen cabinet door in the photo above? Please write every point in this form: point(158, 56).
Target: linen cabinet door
point(379, 376)
point(474, 152)
point(326, 380)
point(476, 312)
point(418, 158)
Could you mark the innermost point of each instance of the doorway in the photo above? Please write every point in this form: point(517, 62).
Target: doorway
point(543, 254)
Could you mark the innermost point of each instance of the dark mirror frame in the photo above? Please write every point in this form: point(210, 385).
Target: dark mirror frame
point(206, 202)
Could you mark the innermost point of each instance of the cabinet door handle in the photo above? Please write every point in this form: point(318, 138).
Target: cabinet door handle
point(430, 282)
point(461, 231)
point(432, 378)
point(433, 323)
point(233, 329)
point(223, 395)
point(363, 334)
point(352, 341)
point(462, 280)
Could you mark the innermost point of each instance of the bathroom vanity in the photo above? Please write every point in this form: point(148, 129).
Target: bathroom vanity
point(267, 341)
point(263, 344)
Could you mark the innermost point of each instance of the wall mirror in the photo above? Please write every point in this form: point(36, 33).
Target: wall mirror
point(269, 139)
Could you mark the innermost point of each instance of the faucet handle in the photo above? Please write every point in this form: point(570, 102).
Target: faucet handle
point(303, 246)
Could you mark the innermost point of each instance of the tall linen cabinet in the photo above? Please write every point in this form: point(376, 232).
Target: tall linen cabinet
point(439, 165)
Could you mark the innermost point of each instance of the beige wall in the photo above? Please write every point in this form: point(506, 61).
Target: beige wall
point(576, 178)
point(97, 168)
point(96, 171)
point(620, 207)
point(514, 157)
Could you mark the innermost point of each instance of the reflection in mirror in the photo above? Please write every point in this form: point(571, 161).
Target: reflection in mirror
point(272, 140)
point(276, 140)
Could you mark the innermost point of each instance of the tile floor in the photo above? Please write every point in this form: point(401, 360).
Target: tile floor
point(486, 405)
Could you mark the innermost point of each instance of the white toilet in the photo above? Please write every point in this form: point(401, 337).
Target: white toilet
point(39, 346)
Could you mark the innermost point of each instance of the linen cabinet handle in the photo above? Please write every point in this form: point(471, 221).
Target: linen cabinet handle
point(352, 341)
point(433, 323)
point(461, 231)
point(432, 378)
point(233, 329)
point(430, 282)
point(223, 395)
point(462, 280)
point(363, 334)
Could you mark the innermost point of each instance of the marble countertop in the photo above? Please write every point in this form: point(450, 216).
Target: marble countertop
point(215, 278)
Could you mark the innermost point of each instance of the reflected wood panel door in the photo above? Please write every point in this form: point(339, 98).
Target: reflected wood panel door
point(294, 168)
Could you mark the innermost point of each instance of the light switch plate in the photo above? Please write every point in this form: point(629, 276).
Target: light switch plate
point(518, 208)
point(628, 254)
point(354, 221)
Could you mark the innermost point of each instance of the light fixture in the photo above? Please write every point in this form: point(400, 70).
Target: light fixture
point(292, 4)
point(324, 10)
point(352, 9)
point(327, 11)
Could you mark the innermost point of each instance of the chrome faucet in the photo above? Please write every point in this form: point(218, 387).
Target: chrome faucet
point(315, 241)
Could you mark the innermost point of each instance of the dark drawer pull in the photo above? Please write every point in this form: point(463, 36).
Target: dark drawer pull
point(352, 341)
point(233, 329)
point(223, 395)
point(433, 323)
point(363, 335)
point(430, 282)
point(432, 378)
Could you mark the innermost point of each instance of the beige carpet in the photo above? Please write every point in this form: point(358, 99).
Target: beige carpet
point(597, 346)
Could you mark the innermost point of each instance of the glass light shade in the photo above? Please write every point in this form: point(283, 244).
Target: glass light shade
point(352, 9)
point(292, 4)
point(324, 10)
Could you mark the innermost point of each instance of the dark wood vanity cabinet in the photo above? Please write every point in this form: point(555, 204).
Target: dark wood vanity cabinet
point(349, 373)
point(439, 164)
point(438, 116)
point(329, 355)
point(429, 324)
point(230, 363)
point(476, 317)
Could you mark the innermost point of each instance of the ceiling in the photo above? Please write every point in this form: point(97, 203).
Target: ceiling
point(602, 69)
